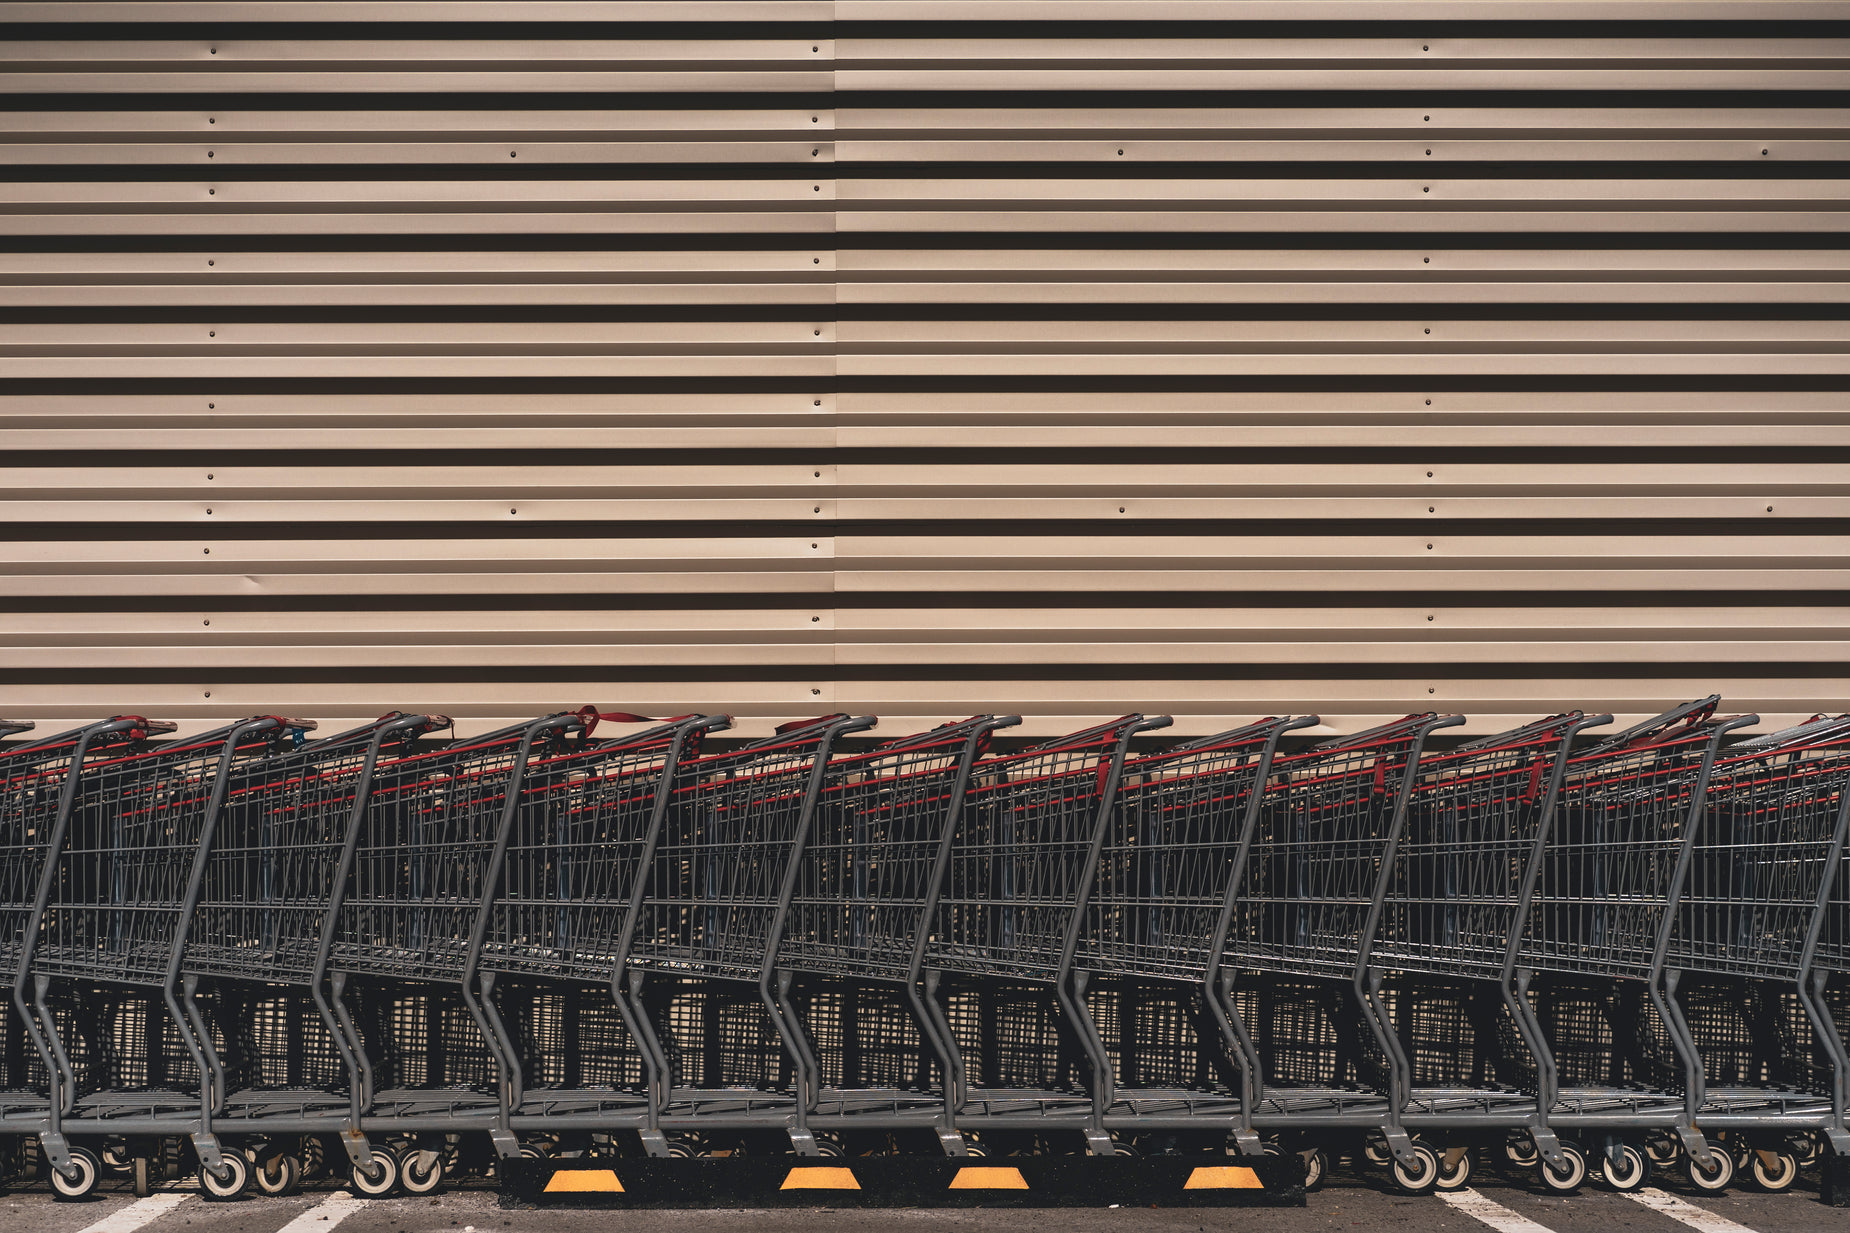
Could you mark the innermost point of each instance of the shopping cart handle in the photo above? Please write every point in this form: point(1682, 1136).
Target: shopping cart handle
point(17, 725)
point(283, 721)
point(147, 726)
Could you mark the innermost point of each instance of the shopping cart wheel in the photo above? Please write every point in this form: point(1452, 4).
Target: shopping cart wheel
point(1573, 1171)
point(1805, 1149)
point(1627, 1173)
point(144, 1186)
point(1784, 1171)
point(237, 1177)
point(1719, 1173)
point(1316, 1168)
point(1519, 1150)
point(1662, 1150)
point(1419, 1175)
point(416, 1179)
point(378, 1177)
point(1457, 1175)
point(1375, 1151)
point(281, 1175)
point(84, 1161)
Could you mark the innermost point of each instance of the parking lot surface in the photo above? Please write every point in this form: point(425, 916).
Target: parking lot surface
point(1498, 1203)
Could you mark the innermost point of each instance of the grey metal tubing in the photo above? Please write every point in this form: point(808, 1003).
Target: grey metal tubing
point(1662, 983)
point(1071, 999)
point(1216, 986)
point(635, 1017)
point(1527, 1026)
point(1367, 979)
point(333, 1010)
point(950, 1059)
point(507, 1062)
point(46, 1043)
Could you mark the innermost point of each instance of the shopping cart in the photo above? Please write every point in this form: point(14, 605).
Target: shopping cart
point(406, 931)
point(721, 1035)
point(1308, 892)
point(1005, 930)
point(1616, 1064)
point(558, 934)
point(872, 862)
point(1826, 1000)
point(1740, 951)
point(1462, 876)
point(1149, 948)
point(259, 926)
point(103, 950)
point(33, 778)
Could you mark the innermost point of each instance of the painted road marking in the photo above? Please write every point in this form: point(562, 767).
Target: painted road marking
point(325, 1214)
point(1494, 1214)
point(578, 1181)
point(1691, 1215)
point(138, 1213)
point(816, 1177)
point(988, 1177)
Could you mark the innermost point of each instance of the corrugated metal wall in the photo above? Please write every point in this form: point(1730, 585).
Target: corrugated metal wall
point(922, 358)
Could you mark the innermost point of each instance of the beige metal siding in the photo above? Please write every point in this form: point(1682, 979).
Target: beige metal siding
point(924, 357)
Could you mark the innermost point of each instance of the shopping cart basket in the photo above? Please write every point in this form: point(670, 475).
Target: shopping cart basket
point(1308, 892)
point(1749, 914)
point(559, 930)
point(34, 777)
point(720, 885)
point(259, 928)
point(1463, 873)
point(872, 862)
point(1598, 924)
point(1005, 930)
point(407, 927)
point(104, 947)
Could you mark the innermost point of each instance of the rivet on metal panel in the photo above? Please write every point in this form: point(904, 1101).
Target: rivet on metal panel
point(815, 618)
point(1426, 260)
point(1429, 331)
point(208, 622)
point(1432, 691)
point(208, 477)
point(513, 511)
point(816, 692)
point(1429, 618)
point(1429, 473)
point(211, 192)
point(815, 261)
point(1426, 190)
point(211, 153)
point(1429, 402)
point(1769, 509)
point(818, 509)
point(1429, 547)
point(1429, 151)
point(207, 551)
point(208, 693)
point(1432, 509)
point(208, 511)
point(209, 261)
point(1425, 48)
point(818, 333)
point(814, 153)
point(818, 402)
point(812, 119)
point(819, 545)
point(513, 154)
point(817, 188)
point(211, 333)
point(818, 475)
point(1763, 151)
point(211, 119)
point(1425, 117)
point(215, 51)
point(1120, 509)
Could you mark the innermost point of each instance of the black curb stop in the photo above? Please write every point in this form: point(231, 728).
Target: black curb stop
point(907, 1181)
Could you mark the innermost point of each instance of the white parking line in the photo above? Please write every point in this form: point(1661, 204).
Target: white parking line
point(1691, 1215)
point(325, 1214)
point(1497, 1216)
point(136, 1214)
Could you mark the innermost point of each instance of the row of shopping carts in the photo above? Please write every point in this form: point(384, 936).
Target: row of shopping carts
point(410, 958)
